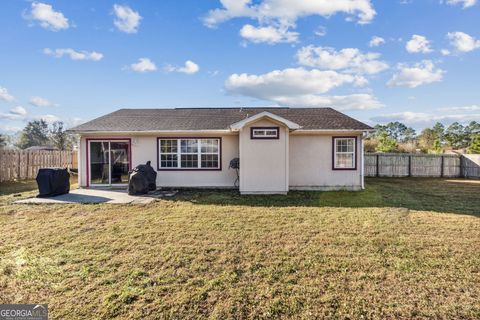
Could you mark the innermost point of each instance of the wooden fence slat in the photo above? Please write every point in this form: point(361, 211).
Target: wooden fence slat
point(23, 164)
point(421, 165)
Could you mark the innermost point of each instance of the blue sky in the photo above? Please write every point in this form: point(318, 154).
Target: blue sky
point(77, 60)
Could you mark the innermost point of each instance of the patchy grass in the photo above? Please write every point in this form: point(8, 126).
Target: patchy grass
point(14, 190)
point(392, 251)
point(440, 195)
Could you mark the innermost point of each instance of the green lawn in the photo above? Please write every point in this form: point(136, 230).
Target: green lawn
point(403, 248)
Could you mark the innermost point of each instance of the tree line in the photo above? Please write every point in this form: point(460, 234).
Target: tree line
point(40, 133)
point(397, 137)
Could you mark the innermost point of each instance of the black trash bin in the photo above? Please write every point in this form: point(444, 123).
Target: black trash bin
point(53, 182)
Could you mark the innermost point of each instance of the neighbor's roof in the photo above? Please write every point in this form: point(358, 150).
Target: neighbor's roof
point(125, 120)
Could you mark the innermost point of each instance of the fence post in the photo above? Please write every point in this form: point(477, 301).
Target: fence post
point(28, 165)
point(409, 165)
point(378, 164)
point(441, 166)
point(18, 164)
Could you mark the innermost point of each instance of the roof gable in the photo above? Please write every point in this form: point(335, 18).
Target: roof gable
point(265, 114)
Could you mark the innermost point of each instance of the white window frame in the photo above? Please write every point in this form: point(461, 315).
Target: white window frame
point(261, 132)
point(167, 153)
point(179, 153)
point(353, 153)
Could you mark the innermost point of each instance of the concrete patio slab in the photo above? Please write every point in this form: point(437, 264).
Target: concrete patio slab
point(98, 196)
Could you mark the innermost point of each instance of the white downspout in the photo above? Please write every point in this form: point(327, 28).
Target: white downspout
point(79, 162)
point(362, 169)
point(240, 173)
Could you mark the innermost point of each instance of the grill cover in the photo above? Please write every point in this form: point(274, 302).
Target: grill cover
point(53, 182)
point(142, 179)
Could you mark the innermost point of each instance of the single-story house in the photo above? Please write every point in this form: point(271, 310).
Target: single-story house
point(278, 149)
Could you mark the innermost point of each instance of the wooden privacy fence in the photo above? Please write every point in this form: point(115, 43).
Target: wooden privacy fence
point(421, 165)
point(22, 164)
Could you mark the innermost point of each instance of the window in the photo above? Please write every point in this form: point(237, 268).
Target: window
point(344, 153)
point(264, 132)
point(189, 153)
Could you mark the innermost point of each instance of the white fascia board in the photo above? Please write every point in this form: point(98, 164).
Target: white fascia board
point(333, 131)
point(265, 114)
point(224, 131)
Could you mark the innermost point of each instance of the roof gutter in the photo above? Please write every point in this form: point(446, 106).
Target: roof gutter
point(210, 131)
point(147, 131)
point(333, 130)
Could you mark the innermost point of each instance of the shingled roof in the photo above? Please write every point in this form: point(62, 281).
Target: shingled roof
point(125, 120)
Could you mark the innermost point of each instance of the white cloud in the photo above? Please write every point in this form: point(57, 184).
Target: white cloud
point(361, 101)
point(19, 113)
point(214, 73)
point(47, 17)
point(376, 41)
point(15, 114)
point(464, 3)
point(74, 55)
point(143, 65)
point(293, 81)
point(40, 102)
point(276, 17)
point(418, 74)
point(190, 67)
point(19, 110)
point(269, 34)
point(321, 31)
point(349, 59)
point(49, 118)
point(10, 116)
point(418, 44)
point(445, 52)
point(127, 20)
point(5, 96)
point(463, 42)
point(289, 11)
point(463, 108)
point(300, 87)
point(424, 118)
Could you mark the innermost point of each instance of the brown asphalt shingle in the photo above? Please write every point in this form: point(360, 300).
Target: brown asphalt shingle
point(214, 119)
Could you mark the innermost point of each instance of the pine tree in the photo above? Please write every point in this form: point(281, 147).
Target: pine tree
point(475, 144)
point(437, 146)
point(35, 133)
point(386, 144)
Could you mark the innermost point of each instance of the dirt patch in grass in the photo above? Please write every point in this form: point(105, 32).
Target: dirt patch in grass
point(211, 258)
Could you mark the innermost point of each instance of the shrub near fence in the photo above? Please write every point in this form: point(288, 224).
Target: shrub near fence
point(421, 165)
point(22, 164)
